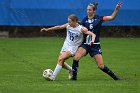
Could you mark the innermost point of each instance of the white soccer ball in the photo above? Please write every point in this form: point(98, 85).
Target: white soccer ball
point(47, 73)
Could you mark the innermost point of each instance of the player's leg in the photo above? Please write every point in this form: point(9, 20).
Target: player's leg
point(67, 66)
point(78, 55)
point(62, 57)
point(99, 61)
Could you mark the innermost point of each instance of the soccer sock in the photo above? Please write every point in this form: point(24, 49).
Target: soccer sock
point(67, 66)
point(56, 71)
point(110, 73)
point(74, 69)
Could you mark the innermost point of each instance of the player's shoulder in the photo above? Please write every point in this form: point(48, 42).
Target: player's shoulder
point(83, 29)
point(95, 16)
point(98, 16)
point(67, 25)
point(85, 18)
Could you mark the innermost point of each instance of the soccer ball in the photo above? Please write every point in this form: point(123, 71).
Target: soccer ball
point(47, 73)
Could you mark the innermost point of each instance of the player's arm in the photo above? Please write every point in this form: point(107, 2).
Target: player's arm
point(85, 30)
point(112, 17)
point(54, 28)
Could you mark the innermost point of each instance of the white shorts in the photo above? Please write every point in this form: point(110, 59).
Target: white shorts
point(72, 49)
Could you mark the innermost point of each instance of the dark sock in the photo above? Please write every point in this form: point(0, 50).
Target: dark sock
point(110, 73)
point(74, 69)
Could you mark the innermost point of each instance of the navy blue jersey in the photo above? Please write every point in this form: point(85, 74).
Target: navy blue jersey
point(93, 25)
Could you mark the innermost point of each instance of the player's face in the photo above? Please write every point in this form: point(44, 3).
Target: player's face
point(90, 10)
point(71, 23)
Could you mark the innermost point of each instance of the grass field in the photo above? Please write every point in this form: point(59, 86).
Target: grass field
point(22, 61)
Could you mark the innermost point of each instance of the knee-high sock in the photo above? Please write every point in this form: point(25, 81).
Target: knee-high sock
point(67, 66)
point(75, 69)
point(57, 70)
point(110, 73)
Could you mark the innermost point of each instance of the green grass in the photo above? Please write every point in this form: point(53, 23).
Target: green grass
point(22, 61)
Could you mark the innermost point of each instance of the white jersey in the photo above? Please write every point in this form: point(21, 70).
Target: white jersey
point(73, 39)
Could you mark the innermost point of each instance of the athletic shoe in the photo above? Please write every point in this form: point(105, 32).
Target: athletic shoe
point(70, 74)
point(50, 79)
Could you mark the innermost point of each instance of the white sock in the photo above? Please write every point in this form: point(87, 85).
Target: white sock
point(56, 71)
point(67, 67)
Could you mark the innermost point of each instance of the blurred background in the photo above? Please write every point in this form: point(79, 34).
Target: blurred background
point(25, 18)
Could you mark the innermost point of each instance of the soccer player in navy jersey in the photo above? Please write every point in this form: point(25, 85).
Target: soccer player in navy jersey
point(93, 23)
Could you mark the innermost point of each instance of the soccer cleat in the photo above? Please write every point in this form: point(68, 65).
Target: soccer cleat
point(70, 74)
point(73, 78)
point(117, 78)
point(50, 78)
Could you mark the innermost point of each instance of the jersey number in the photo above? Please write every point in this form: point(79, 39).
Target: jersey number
point(71, 37)
point(91, 26)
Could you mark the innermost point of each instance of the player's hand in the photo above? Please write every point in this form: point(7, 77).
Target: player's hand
point(119, 4)
point(42, 29)
point(91, 43)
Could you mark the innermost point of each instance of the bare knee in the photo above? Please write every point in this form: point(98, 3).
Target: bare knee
point(77, 57)
point(99, 61)
point(60, 61)
point(80, 53)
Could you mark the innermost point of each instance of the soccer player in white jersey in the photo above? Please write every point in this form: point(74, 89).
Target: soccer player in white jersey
point(72, 42)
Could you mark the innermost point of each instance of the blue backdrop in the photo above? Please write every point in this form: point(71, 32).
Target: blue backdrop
point(55, 12)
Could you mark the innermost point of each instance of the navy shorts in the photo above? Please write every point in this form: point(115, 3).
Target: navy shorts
point(93, 49)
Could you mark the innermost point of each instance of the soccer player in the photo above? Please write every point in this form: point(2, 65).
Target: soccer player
point(93, 23)
point(73, 40)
